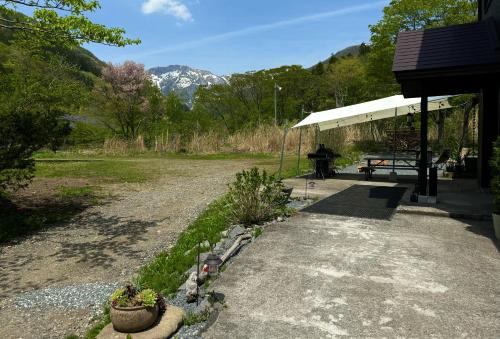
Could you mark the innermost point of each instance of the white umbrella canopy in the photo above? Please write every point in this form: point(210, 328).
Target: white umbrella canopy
point(378, 109)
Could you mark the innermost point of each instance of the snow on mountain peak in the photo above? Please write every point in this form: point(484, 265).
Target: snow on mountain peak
point(183, 80)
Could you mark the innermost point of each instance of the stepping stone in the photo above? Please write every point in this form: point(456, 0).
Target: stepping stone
point(167, 325)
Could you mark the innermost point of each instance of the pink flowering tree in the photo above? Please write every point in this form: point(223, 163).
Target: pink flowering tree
point(127, 92)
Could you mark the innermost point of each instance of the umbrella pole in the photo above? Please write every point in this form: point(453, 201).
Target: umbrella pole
point(300, 143)
point(317, 136)
point(282, 152)
point(298, 153)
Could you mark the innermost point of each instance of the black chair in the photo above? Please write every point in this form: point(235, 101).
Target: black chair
point(443, 158)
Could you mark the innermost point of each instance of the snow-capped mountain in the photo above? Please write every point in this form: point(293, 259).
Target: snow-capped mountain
point(183, 80)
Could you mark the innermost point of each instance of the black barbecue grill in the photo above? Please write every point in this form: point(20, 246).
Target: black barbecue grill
point(324, 162)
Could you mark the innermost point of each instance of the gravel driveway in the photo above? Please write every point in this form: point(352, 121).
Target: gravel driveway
point(53, 283)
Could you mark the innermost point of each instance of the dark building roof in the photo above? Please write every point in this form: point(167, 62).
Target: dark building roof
point(459, 46)
point(448, 60)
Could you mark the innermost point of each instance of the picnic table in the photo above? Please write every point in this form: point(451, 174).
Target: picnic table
point(408, 160)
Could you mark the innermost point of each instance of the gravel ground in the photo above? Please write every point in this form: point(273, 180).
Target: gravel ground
point(187, 332)
point(53, 281)
point(88, 296)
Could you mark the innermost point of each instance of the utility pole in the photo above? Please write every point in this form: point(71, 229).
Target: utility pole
point(275, 105)
point(276, 89)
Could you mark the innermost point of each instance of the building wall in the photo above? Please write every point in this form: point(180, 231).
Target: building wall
point(489, 114)
point(489, 9)
point(489, 129)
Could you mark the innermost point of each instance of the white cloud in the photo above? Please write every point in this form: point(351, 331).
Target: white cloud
point(263, 28)
point(172, 7)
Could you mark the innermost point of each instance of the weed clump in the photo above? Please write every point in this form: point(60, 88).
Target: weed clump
point(255, 197)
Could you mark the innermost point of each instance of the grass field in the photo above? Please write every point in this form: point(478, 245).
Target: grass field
point(68, 182)
point(134, 168)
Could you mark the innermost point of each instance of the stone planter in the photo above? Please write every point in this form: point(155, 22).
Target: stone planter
point(496, 224)
point(133, 319)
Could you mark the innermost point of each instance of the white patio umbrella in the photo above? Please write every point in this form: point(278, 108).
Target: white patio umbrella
point(378, 109)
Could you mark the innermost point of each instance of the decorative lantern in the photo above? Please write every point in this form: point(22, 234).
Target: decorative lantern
point(213, 262)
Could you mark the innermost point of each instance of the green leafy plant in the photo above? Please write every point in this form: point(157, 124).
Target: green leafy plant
point(119, 298)
point(147, 297)
point(195, 318)
point(257, 232)
point(73, 28)
point(255, 197)
point(131, 296)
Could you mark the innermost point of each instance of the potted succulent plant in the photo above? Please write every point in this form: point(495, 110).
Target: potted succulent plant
point(495, 186)
point(133, 310)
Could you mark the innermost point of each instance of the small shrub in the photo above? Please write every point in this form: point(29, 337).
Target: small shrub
point(195, 318)
point(147, 297)
point(119, 297)
point(257, 232)
point(255, 197)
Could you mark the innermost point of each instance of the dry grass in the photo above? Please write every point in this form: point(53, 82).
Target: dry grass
point(206, 143)
point(269, 139)
point(264, 139)
point(115, 146)
point(167, 143)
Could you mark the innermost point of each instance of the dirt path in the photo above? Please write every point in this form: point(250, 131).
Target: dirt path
point(51, 282)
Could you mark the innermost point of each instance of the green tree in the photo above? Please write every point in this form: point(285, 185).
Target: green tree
point(333, 59)
point(248, 99)
point(218, 103)
point(35, 95)
point(60, 22)
point(319, 68)
point(175, 109)
point(364, 49)
point(155, 121)
point(404, 15)
point(38, 86)
point(347, 79)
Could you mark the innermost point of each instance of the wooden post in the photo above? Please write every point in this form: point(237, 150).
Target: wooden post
point(422, 171)
point(394, 140)
point(489, 127)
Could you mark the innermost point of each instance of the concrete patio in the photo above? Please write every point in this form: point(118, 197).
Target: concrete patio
point(457, 198)
point(317, 276)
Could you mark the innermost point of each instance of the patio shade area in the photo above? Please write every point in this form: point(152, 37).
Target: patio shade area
point(373, 202)
point(378, 109)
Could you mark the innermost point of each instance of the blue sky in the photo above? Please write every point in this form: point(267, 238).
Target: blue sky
point(228, 36)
